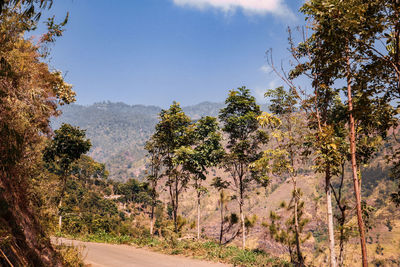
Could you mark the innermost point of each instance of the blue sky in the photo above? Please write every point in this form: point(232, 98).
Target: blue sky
point(155, 51)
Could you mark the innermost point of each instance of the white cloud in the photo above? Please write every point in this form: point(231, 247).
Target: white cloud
point(259, 93)
point(261, 7)
point(266, 69)
point(273, 84)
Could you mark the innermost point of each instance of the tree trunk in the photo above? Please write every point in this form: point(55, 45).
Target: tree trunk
point(296, 225)
point(175, 214)
point(330, 217)
point(342, 219)
point(341, 242)
point(63, 188)
point(222, 220)
point(59, 214)
point(198, 216)
point(152, 220)
point(172, 190)
point(176, 204)
point(242, 222)
point(241, 203)
point(357, 191)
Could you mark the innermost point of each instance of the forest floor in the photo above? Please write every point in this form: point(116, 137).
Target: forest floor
point(105, 255)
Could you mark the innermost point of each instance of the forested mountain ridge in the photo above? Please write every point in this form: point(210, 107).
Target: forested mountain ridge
point(118, 131)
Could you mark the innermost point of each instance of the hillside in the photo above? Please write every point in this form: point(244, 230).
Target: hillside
point(119, 131)
point(383, 218)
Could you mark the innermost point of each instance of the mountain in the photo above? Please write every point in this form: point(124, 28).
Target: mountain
point(119, 131)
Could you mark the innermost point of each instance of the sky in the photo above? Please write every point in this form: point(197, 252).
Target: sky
point(153, 52)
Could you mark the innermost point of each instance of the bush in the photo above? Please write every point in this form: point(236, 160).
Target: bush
point(71, 256)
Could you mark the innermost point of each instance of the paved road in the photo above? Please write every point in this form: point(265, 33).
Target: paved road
point(109, 255)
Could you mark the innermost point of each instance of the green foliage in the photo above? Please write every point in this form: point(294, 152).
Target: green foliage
point(88, 170)
point(133, 191)
point(239, 117)
point(233, 218)
point(219, 184)
point(205, 152)
point(86, 208)
point(239, 120)
point(68, 144)
point(250, 222)
point(173, 136)
point(244, 141)
point(282, 101)
point(173, 131)
point(106, 237)
point(288, 130)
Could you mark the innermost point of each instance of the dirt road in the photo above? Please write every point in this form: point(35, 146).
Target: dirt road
point(109, 255)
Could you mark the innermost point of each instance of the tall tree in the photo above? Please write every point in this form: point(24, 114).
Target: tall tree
point(154, 175)
point(206, 152)
point(321, 109)
point(286, 155)
point(67, 146)
point(173, 131)
point(341, 39)
point(244, 141)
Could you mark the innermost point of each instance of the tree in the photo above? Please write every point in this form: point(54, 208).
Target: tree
point(154, 175)
point(85, 210)
point(89, 171)
point(244, 140)
point(135, 196)
point(173, 131)
point(67, 146)
point(341, 41)
point(285, 158)
point(29, 95)
point(206, 152)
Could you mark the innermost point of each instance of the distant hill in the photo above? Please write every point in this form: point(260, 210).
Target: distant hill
point(119, 131)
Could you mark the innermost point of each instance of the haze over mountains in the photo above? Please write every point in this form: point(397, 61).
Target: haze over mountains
point(119, 131)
